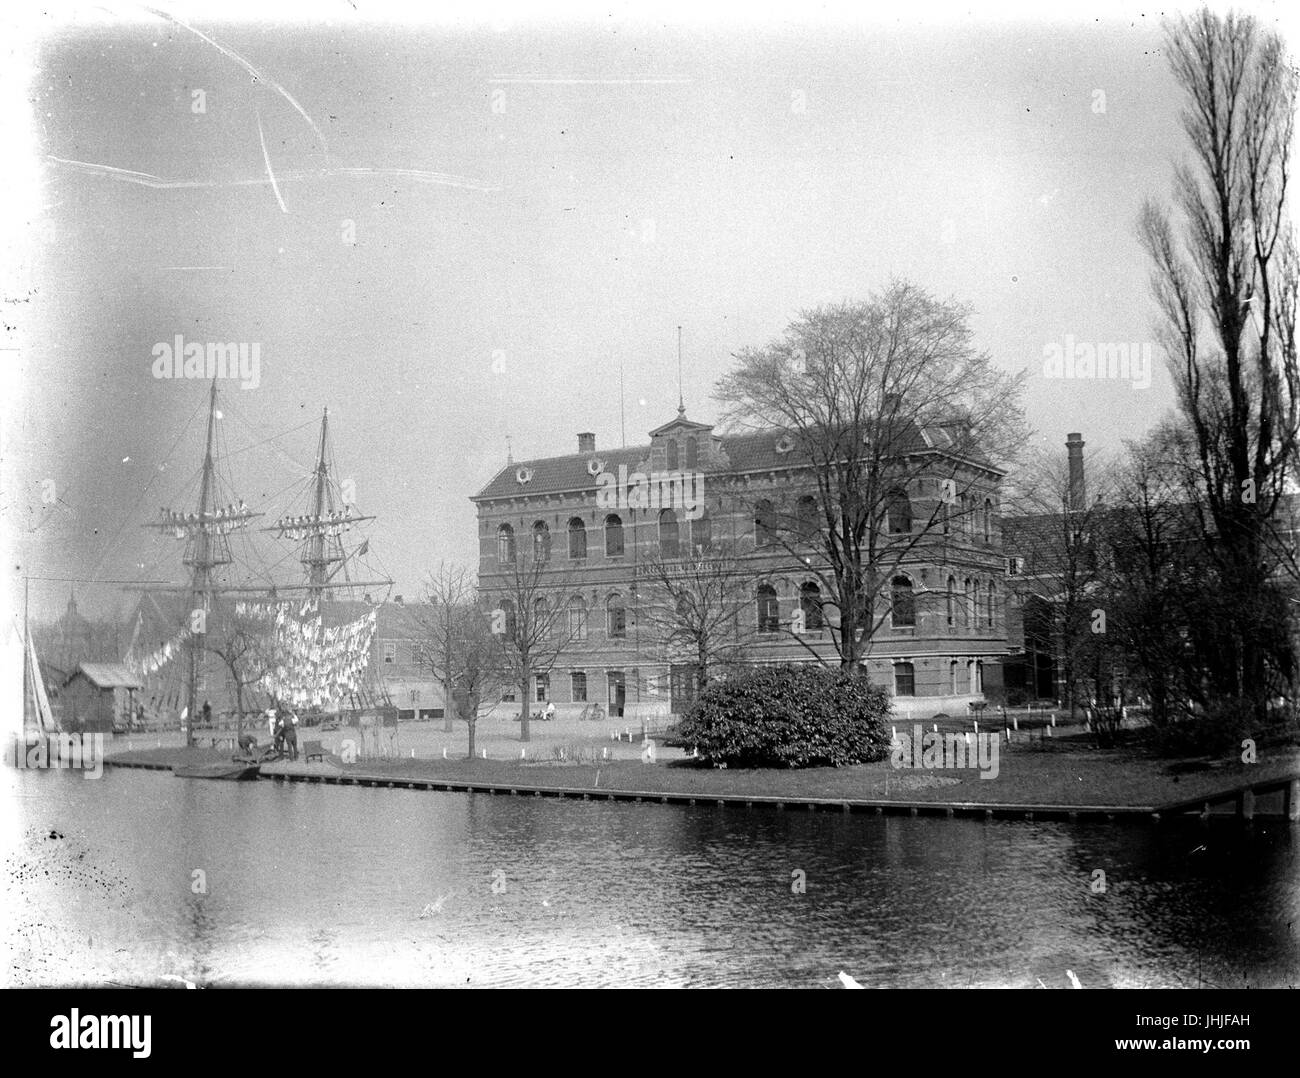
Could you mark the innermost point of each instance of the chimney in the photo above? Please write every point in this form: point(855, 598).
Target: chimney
point(1077, 500)
point(586, 442)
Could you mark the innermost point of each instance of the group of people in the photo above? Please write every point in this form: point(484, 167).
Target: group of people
point(284, 731)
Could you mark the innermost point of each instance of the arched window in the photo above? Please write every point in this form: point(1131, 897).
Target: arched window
point(967, 609)
point(975, 605)
point(506, 544)
point(701, 532)
point(954, 678)
point(991, 605)
point(669, 547)
point(810, 602)
point(541, 541)
point(692, 453)
point(512, 620)
point(903, 605)
point(952, 601)
point(899, 512)
point(806, 515)
point(577, 618)
point(683, 608)
point(764, 523)
point(577, 538)
point(988, 520)
point(613, 536)
point(541, 618)
point(904, 679)
point(672, 454)
point(769, 610)
point(615, 616)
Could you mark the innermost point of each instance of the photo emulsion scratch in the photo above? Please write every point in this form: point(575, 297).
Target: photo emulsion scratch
point(652, 498)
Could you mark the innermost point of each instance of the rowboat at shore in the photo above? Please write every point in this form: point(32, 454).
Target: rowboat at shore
point(236, 772)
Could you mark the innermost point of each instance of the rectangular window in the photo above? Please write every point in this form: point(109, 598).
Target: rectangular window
point(579, 688)
point(543, 687)
point(390, 651)
point(904, 679)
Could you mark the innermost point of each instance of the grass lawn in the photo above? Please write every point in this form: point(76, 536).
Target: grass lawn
point(1061, 771)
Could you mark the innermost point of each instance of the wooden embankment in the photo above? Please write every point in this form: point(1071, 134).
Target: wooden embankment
point(1241, 798)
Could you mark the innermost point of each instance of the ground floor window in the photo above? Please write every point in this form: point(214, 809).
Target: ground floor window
point(904, 679)
point(543, 687)
point(579, 681)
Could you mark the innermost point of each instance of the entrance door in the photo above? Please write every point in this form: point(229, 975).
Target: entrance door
point(684, 688)
point(617, 694)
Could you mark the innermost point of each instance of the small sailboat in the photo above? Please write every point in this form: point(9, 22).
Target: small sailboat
point(38, 722)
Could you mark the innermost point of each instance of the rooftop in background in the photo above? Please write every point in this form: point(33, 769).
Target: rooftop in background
point(107, 676)
point(749, 452)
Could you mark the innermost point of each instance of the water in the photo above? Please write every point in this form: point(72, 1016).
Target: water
point(315, 885)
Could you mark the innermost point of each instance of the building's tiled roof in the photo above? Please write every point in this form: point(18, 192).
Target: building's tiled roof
point(751, 452)
point(108, 675)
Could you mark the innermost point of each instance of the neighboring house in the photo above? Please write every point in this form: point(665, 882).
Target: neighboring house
point(98, 696)
point(941, 654)
point(1053, 559)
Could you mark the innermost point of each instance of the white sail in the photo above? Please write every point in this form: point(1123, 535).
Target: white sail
point(44, 713)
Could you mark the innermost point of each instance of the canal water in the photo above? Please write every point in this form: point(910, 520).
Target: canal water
point(142, 878)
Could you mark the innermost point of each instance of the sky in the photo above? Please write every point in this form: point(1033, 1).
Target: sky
point(456, 233)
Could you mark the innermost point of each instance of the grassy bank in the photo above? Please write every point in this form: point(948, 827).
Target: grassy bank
point(1057, 773)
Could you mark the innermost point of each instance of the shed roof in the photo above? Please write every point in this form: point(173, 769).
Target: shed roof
point(107, 675)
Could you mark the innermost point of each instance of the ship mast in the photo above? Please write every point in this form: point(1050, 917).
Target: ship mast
point(321, 529)
point(206, 548)
point(317, 561)
point(202, 563)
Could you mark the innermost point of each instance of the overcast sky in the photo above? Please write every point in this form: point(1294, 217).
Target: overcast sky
point(533, 206)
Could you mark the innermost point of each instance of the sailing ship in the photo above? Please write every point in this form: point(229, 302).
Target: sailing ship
point(293, 644)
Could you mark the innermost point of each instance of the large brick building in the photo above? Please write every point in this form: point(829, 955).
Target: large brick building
point(938, 650)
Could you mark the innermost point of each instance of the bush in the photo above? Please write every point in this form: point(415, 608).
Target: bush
point(790, 716)
point(1219, 730)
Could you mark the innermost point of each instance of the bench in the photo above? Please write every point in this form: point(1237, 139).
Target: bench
point(313, 749)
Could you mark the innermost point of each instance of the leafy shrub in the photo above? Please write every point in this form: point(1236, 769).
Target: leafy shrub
point(790, 716)
point(1220, 729)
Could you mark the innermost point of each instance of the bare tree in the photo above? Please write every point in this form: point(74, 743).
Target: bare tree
point(1061, 539)
point(448, 590)
point(854, 386)
point(247, 648)
point(1225, 280)
point(697, 606)
point(530, 620)
point(475, 667)
point(1158, 582)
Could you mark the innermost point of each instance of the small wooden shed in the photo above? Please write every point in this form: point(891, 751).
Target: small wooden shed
point(97, 696)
